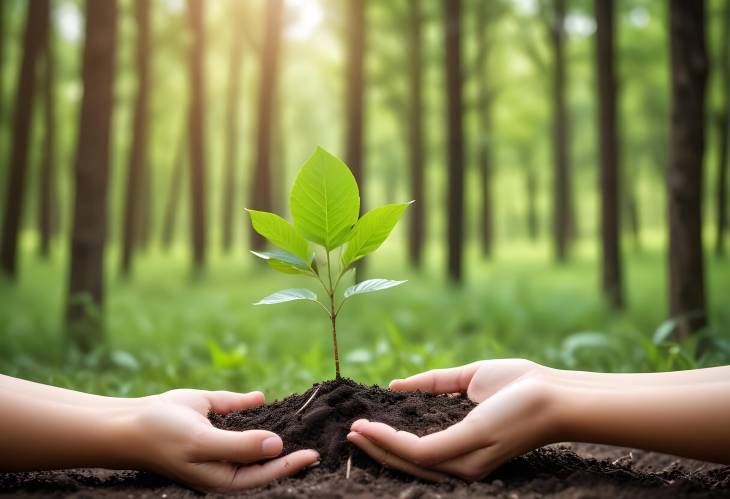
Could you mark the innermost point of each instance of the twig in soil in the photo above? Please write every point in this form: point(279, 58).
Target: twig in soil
point(349, 466)
point(308, 401)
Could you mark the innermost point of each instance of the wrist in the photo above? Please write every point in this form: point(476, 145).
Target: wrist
point(122, 435)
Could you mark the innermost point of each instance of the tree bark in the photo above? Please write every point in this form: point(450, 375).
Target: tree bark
point(685, 166)
point(196, 130)
point(134, 209)
point(723, 129)
point(533, 227)
point(48, 201)
point(36, 28)
point(84, 318)
point(261, 185)
point(563, 219)
point(173, 196)
point(232, 127)
point(608, 145)
point(455, 138)
point(415, 129)
point(484, 154)
point(356, 94)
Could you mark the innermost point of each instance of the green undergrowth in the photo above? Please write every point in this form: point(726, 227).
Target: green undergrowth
point(166, 329)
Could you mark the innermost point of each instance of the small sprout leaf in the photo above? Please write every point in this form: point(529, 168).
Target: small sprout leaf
point(371, 230)
point(280, 232)
point(325, 201)
point(288, 295)
point(283, 261)
point(370, 286)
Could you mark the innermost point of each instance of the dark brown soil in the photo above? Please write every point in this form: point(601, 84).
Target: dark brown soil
point(572, 471)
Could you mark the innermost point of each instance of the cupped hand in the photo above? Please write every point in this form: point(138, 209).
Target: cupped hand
point(514, 415)
point(174, 437)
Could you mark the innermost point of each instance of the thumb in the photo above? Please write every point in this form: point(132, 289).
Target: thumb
point(237, 446)
point(452, 380)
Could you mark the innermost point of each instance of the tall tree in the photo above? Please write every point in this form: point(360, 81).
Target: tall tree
point(356, 92)
point(454, 137)
point(232, 126)
point(484, 110)
point(608, 145)
point(415, 130)
point(36, 32)
point(563, 218)
point(196, 130)
point(723, 130)
point(685, 165)
point(3, 24)
point(261, 193)
point(84, 319)
point(140, 125)
point(48, 201)
point(173, 195)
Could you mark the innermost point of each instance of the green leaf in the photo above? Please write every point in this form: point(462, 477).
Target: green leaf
point(288, 295)
point(325, 201)
point(281, 233)
point(371, 230)
point(285, 262)
point(370, 286)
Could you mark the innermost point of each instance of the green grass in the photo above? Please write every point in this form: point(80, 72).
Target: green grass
point(165, 329)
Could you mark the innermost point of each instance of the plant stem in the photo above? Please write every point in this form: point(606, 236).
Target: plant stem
point(333, 318)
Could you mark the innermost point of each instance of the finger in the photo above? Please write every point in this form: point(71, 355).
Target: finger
point(465, 436)
point(244, 447)
point(223, 402)
point(452, 380)
point(391, 460)
point(261, 474)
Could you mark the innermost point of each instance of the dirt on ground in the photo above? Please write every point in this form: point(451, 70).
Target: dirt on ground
point(320, 419)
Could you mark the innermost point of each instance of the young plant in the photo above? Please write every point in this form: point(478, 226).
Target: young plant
point(327, 238)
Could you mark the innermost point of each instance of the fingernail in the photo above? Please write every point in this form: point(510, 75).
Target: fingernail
point(351, 434)
point(357, 424)
point(314, 464)
point(271, 446)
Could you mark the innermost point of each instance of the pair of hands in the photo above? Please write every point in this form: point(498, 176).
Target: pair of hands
point(514, 415)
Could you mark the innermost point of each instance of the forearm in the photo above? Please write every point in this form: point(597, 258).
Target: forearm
point(37, 433)
point(686, 420)
point(53, 393)
point(634, 380)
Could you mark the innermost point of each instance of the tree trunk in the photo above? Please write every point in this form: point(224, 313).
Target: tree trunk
point(36, 32)
point(356, 94)
point(261, 184)
point(415, 129)
point(723, 129)
point(3, 30)
point(455, 138)
point(563, 221)
point(173, 196)
point(196, 130)
point(48, 201)
point(610, 175)
point(138, 158)
point(84, 319)
point(232, 127)
point(484, 154)
point(146, 216)
point(632, 207)
point(685, 165)
point(533, 227)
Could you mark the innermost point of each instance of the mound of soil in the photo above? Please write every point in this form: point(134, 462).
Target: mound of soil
point(320, 419)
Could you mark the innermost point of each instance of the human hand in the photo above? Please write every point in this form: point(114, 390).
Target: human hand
point(515, 414)
point(171, 435)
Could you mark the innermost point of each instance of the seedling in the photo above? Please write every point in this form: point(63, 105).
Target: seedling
point(327, 238)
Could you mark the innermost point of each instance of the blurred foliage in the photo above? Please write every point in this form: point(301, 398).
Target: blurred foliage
point(166, 329)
